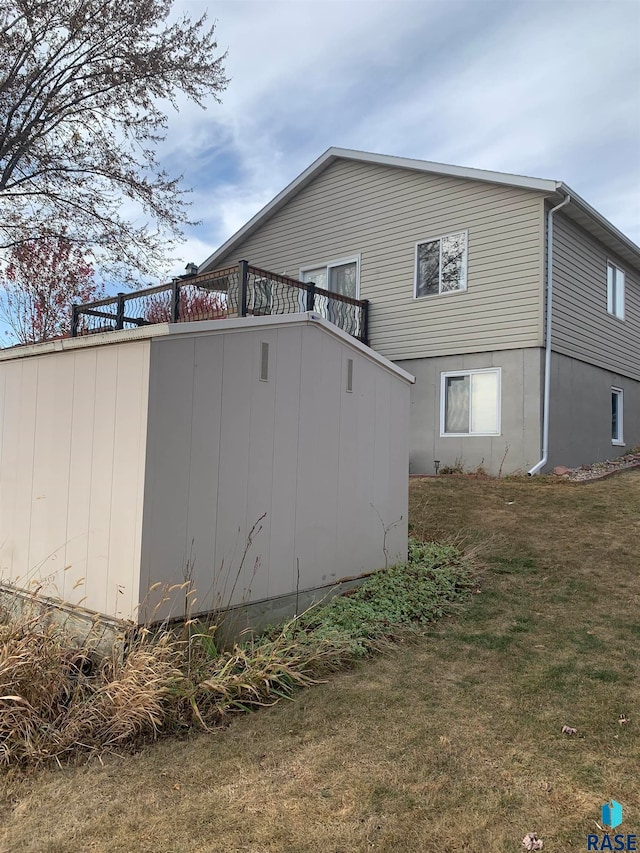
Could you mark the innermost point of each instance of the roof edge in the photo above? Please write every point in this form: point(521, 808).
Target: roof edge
point(486, 175)
point(550, 187)
point(579, 202)
point(333, 153)
point(304, 178)
point(167, 331)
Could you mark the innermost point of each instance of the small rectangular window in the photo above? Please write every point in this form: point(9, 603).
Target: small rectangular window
point(441, 265)
point(264, 361)
point(615, 291)
point(470, 402)
point(617, 432)
point(349, 375)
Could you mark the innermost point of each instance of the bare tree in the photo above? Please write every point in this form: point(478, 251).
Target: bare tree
point(84, 86)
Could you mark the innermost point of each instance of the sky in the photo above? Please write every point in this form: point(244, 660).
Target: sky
point(544, 88)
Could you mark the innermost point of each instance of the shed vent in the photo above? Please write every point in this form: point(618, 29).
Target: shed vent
point(264, 361)
point(349, 375)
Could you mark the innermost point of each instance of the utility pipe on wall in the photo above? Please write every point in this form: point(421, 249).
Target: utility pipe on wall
point(547, 353)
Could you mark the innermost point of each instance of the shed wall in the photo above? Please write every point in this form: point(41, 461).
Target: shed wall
point(320, 470)
point(72, 440)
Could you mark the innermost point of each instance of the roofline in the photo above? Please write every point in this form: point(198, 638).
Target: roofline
point(332, 154)
point(578, 201)
point(521, 181)
point(159, 331)
point(543, 185)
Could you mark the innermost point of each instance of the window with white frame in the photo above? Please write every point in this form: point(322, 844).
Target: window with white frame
point(470, 402)
point(337, 276)
point(617, 433)
point(615, 290)
point(441, 265)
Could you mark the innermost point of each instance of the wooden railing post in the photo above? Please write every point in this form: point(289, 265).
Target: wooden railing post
point(74, 321)
point(243, 271)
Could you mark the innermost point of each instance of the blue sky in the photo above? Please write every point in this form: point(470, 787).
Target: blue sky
point(543, 88)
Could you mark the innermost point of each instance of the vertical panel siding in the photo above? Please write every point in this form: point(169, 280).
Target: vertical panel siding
point(71, 475)
point(582, 328)
point(297, 448)
point(380, 212)
point(260, 444)
point(286, 446)
point(204, 459)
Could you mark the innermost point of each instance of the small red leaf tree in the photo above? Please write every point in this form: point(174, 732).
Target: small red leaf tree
point(194, 304)
point(38, 285)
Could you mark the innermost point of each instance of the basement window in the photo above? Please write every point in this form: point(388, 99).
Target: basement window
point(470, 402)
point(617, 432)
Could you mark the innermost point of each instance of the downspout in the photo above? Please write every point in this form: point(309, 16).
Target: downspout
point(547, 353)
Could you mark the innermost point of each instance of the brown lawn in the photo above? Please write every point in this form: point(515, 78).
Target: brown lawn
point(449, 743)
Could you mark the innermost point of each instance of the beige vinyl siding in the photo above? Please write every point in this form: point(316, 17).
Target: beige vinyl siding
point(380, 213)
point(582, 328)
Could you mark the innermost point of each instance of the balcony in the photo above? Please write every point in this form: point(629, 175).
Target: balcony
point(237, 291)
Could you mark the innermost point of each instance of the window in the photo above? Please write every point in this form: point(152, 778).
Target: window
point(337, 276)
point(615, 290)
point(470, 402)
point(617, 435)
point(341, 277)
point(441, 265)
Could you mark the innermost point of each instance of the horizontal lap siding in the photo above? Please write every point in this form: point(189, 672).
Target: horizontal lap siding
point(582, 327)
point(380, 213)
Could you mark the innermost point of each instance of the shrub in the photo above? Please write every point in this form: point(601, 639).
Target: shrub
point(410, 594)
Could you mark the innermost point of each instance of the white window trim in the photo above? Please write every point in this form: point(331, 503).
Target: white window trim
point(337, 263)
point(443, 381)
point(440, 238)
point(619, 269)
point(619, 392)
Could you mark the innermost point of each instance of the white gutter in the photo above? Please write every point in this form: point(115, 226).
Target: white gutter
point(547, 355)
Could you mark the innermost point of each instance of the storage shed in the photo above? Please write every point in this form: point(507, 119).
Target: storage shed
point(246, 461)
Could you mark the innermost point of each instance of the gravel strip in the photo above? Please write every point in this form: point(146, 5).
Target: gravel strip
point(599, 469)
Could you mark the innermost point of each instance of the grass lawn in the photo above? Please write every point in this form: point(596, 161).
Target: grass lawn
point(449, 743)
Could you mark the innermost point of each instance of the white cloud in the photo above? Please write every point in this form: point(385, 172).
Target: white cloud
point(537, 88)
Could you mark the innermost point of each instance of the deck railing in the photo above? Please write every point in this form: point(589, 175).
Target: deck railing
point(236, 291)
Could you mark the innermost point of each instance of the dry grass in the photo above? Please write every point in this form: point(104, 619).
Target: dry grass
point(450, 743)
point(58, 702)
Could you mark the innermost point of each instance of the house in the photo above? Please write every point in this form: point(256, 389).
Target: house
point(454, 264)
point(230, 463)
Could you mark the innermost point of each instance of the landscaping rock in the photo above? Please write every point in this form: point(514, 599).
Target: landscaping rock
point(600, 469)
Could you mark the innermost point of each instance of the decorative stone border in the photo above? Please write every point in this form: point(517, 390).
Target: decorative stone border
point(599, 470)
